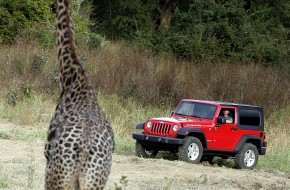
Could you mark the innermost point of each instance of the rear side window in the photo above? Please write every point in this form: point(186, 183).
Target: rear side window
point(250, 117)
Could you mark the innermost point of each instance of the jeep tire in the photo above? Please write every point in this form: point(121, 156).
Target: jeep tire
point(140, 151)
point(191, 151)
point(247, 157)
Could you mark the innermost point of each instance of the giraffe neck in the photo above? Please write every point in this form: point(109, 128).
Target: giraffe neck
point(71, 70)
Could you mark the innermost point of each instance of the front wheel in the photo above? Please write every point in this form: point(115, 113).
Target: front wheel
point(191, 151)
point(247, 157)
point(140, 151)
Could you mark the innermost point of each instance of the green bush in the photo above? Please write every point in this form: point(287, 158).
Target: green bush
point(203, 29)
point(18, 14)
point(13, 97)
point(123, 19)
point(211, 30)
point(35, 20)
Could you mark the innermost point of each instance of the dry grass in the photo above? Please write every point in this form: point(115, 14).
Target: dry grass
point(157, 79)
point(152, 80)
point(278, 131)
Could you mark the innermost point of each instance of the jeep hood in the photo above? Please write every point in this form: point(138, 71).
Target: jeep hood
point(184, 121)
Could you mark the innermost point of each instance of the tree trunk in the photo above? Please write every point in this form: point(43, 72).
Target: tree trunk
point(165, 8)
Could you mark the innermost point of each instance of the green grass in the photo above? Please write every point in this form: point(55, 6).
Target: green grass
point(29, 111)
point(124, 146)
point(5, 135)
point(125, 114)
point(4, 179)
point(3, 183)
point(31, 135)
point(275, 162)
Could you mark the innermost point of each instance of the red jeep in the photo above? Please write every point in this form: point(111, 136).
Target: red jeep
point(198, 130)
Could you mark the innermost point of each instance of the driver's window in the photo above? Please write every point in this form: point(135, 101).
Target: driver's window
point(229, 114)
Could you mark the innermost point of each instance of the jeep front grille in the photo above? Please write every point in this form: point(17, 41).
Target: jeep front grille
point(160, 128)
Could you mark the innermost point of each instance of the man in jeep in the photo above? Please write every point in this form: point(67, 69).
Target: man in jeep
point(226, 113)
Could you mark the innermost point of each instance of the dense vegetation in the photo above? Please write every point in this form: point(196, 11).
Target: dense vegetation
point(249, 31)
point(21, 14)
point(243, 31)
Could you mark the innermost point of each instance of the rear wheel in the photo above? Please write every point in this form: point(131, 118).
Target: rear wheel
point(140, 151)
point(247, 157)
point(191, 151)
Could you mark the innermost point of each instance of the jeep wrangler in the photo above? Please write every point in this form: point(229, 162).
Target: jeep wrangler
point(197, 130)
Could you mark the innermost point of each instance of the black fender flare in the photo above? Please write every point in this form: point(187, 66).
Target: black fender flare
point(244, 139)
point(140, 126)
point(183, 132)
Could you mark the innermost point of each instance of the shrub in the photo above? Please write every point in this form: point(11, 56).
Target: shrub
point(211, 30)
point(13, 97)
point(19, 14)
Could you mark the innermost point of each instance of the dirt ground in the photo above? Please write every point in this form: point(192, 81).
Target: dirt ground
point(22, 166)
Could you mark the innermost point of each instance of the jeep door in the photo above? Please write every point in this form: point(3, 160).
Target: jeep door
point(224, 134)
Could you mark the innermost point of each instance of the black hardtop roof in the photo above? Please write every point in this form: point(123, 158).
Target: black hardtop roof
point(223, 103)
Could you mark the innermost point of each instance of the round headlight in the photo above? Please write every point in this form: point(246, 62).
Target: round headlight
point(175, 127)
point(149, 124)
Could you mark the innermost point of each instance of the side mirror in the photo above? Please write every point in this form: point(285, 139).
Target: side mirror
point(221, 120)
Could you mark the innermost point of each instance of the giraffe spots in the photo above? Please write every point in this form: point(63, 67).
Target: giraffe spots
point(75, 76)
point(51, 135)
point(65, 135)
point(65, 58)
point(67, 145)
point(65, 68)
point(66, 42)
point(59, 26)
point(100, 155)
point(67, 107)
point(68, 81)
point(66, 34)
point(70, 140)
point(62, 15)
point(59, 53)
point(72, 119)
point(79, 127)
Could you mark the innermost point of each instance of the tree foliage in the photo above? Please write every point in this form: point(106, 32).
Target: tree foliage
point(35, 20)
point(123, 19)
point(249, 30)
point(16, 15)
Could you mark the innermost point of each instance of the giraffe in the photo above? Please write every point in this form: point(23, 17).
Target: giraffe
point(80, 140)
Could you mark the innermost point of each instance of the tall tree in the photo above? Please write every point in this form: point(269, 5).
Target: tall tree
point(165, 9)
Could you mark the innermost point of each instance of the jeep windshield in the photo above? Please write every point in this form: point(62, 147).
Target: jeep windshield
point(196, 109)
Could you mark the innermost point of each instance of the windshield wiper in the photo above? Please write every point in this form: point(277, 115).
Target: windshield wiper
point(196, 116)
point(180, 114)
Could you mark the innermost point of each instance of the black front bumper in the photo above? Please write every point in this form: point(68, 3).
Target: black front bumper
point(157, 139)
